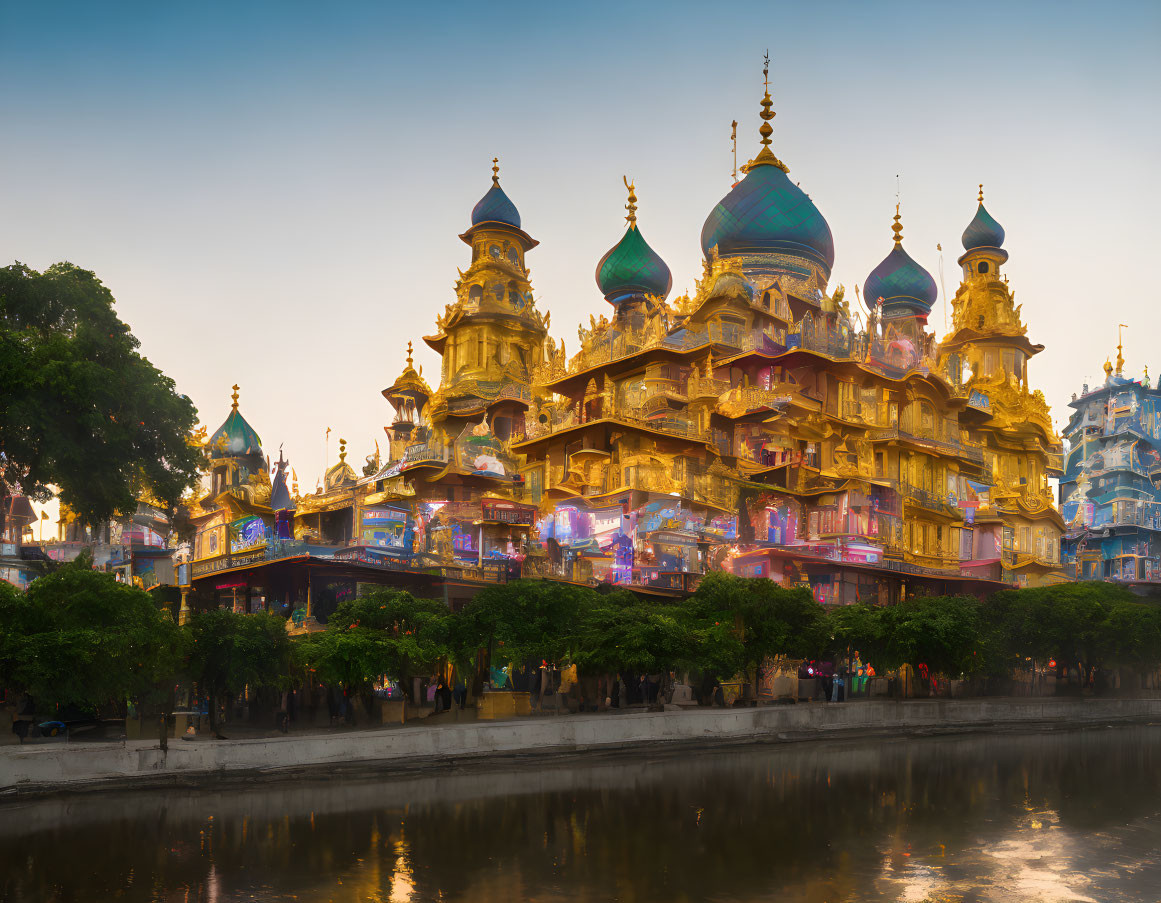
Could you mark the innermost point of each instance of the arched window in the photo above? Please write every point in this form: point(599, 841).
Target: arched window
point(984, 267)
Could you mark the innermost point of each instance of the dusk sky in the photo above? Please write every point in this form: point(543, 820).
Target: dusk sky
point(273, 192)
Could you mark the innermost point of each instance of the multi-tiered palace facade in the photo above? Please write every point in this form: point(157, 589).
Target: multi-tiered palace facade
point(1109, 494)
point(764, 422)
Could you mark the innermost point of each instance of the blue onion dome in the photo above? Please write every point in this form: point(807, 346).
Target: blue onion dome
point(631, 267)
point(905, 287)
point(235, 438)
point(495, 206)
point(767, 213)
point(983, 231)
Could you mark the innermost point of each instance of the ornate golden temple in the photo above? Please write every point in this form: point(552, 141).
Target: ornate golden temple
point(761, 423)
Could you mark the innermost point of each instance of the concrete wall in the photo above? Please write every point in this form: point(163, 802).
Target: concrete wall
point(47, 767)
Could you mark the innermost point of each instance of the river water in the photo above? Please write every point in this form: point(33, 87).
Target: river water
point(1066, 816)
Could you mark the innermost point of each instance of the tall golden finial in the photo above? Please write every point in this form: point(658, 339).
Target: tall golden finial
point(342, 451)
point(766, 130)
point(734, 141)
point(631, 219)
point(235, 396)
point(1120, 357)
point(409, 354)
point(898, 227)
point(765, 155)
point(981, 197)
point(496, 171)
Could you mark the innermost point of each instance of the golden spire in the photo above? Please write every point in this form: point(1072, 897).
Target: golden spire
point(235, 396)
point(1120, 357)
point(898, 227)
point(496, 171)
point(734, 142)
point(765, 155)
point(631, 219)
point(409, 354)
point(766, 130)
point(1108, 369)
point(981, 197)
point(342, 451)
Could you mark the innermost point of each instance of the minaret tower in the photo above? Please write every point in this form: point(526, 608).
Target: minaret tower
point(986, 355)
point(492, 337)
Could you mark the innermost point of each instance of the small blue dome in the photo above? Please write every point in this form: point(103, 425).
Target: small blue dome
point(905, 287)
point(631, 267)
point(767, 213)
point(983, 231)
point(496, 207)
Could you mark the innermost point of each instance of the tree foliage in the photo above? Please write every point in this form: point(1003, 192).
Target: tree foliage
point(383, 632)
point(77, 637)
point(229, 651)
point(80, 409)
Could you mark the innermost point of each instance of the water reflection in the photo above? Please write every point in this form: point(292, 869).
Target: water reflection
point(1052, 817)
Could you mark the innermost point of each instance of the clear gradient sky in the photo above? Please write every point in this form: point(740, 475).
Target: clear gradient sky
point(273, 191)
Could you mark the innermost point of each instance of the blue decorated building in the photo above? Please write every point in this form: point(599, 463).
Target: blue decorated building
point(1109, 495)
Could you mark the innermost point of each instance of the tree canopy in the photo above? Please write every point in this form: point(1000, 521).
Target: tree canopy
point(79, 638)
point(80, 409)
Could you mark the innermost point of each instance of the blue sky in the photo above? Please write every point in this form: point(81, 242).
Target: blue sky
point(273, 192)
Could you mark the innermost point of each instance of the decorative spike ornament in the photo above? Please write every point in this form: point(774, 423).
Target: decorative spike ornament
point(631, 219)
point(898, 227)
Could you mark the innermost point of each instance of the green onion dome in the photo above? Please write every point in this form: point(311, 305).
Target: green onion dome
point(983, 231)
point(235, 438)
point(631, 268)
point(766, 213)
point(906, 288)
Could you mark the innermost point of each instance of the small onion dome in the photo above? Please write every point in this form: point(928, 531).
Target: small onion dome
point(983, 231)
point(905, 287)
point(495, 206)
point(631, 267)
point(234, 438)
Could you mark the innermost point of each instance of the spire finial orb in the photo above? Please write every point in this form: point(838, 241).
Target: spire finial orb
point(631, 219)
point(496, 171)
point(981, 197)
point(234, 397)
point(898, 227)
point(409, 354)
point(767, 113)
point(342, 451)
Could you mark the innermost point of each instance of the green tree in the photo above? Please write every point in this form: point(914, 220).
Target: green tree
point(941, 632)
point(620, 633)
point(769, 620)
point(80, 409)
point(856, 629)
point(387, 632)
point(79, 638)
point(1066, 622)
point(229, 651)
point(523, 620)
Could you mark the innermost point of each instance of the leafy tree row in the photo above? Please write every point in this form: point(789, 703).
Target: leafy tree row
point(79, 638)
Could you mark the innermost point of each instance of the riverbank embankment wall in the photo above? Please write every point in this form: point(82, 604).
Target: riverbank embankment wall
point(43, 768)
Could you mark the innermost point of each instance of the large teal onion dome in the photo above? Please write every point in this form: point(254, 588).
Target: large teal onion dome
point(983, 231)
point(631, 267)
point(235, 438)
point(495, 206)
point(906, 288)
point(767, 213)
